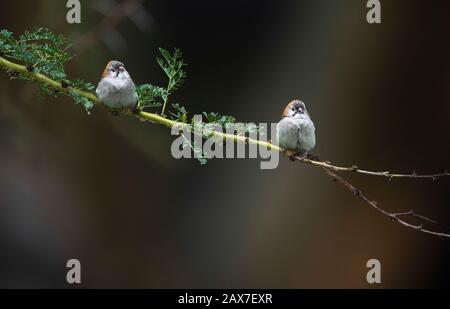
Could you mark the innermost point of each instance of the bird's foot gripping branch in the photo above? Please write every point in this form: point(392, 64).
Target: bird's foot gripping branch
point(39, 57)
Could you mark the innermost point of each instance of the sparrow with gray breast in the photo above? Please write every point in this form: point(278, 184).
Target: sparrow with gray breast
point(296, 131)
point(116, 89)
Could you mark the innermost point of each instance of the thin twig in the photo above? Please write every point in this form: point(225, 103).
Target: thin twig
point(355, 169)
point(396, 217)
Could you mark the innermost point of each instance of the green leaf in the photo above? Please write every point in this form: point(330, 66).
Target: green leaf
point(172, 64)
point(149, 95)
point(40, 50)
point(87, 104)
point(180, 113)
point(197, 150)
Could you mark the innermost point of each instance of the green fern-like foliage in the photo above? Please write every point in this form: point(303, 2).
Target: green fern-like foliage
point(42, 51)
point(172, 64)
point(149, 96)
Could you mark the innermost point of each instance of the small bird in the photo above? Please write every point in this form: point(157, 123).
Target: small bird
point(116, 89)
point(296, 131)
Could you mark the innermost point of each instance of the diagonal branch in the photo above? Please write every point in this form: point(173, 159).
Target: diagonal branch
point(327, 167)
point(396, 217)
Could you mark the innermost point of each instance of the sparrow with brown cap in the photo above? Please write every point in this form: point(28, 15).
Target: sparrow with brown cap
point(296, 132)
point(116, 89)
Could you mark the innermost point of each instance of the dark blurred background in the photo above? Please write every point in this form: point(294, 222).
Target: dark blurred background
point(106, 190)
